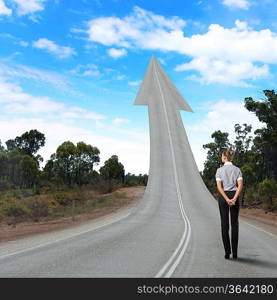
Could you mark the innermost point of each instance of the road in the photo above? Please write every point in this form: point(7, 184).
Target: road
point(173, 231)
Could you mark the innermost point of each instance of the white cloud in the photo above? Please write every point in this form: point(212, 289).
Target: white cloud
point(120, 121)
point(21, 71)
point(123, 32)
point(25, 7)
point(53, 48)
point(86, 70)
point(4, 10)
point(134, 83)
point(23, 44)
point(121, 77)
point(116, 53)
point(15, 101)
point(243, 4)
point(240, 52)
point(214, 70)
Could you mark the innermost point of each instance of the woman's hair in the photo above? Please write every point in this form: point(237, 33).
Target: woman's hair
point(229, 153)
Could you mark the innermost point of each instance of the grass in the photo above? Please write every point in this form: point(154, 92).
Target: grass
point(54, 204)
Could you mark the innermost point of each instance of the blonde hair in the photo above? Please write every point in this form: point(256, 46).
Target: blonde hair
point(229, 153)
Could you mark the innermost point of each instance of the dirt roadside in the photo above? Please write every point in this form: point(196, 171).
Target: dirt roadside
point(258, 217)
point(24, 229)
point(254, 216)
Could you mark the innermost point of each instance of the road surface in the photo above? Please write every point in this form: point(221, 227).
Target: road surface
point(173, 231)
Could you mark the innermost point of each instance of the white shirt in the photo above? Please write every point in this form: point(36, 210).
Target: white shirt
point(228, 174)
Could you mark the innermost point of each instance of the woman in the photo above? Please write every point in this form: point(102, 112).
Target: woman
point(226, 179)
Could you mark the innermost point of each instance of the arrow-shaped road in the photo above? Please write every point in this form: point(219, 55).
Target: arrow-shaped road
point(173, 231)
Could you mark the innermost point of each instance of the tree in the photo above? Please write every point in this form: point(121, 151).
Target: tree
point(242, 143)
point(13, 171)
point(132, 179)
point(249, 178)
point(266, 111)
point(2, 149)
point(29, 171)
point(268, 190)
point(64, 161)
point(4, 178)
point(28, 143)
point(213, 160)
point(261, 154)
point(86, 157)
point(113, 169)
point(21, 169)
point(72, 164)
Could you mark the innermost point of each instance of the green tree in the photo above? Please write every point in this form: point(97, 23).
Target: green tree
point(268, 190)
point(249, 178)
point(262, 153)
point(29, 171)
point(266, 111)
point(28, 143)
point(242, 144)
point(112, 169)
point(2, 149)
point(64, 162)
point(132, 179)
point(4, 175)
point(86, 157)
point(72, 164)
point(14, 157)
point(22, 170)
point(213, 160)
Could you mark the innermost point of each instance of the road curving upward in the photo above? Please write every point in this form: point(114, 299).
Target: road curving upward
point(174, 231)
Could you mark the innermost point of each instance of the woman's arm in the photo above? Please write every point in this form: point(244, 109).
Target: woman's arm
point(221, 191)
point(239, 189)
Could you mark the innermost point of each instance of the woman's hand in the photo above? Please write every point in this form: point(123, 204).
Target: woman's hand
point(232, 201)
point(229, 202)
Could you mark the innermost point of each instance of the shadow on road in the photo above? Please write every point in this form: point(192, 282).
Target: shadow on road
point(257, 262)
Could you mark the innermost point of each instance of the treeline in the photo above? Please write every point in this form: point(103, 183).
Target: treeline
point(68, 176)
point(255, 155)
point(71, 165)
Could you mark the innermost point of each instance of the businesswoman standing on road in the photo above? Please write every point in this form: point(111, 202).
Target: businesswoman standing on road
point(229, 184)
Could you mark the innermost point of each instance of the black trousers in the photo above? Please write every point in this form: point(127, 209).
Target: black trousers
point(224, 210)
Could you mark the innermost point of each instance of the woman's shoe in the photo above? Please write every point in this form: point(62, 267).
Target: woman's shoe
point(235, 256)
point(227, 256)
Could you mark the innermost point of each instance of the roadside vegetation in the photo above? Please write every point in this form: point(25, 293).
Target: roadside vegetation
point(68, 184)
point(255, 155)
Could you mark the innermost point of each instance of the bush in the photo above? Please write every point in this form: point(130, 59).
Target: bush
point(268, 191)
point(107, 186)
point(5, 184)
point(38, 207)
point(64, 198)
point(252, 197)
point(16, 211)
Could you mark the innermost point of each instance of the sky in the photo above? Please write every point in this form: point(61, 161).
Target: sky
point(72, 69)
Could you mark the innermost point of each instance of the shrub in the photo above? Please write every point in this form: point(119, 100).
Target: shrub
point(5, 184)
point(252, 197)
point(64, 198)
point(38, 207)
point(107, 186)
point(16, 211)
point(268, 191)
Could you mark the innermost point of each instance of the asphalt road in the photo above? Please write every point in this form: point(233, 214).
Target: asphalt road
point(173, 231)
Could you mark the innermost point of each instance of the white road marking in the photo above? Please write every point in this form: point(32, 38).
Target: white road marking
point(187, 232)
point(260, 229)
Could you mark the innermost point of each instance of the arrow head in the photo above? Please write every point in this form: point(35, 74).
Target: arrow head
point(155, 83)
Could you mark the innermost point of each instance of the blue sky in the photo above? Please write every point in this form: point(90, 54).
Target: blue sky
point(71, 69)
